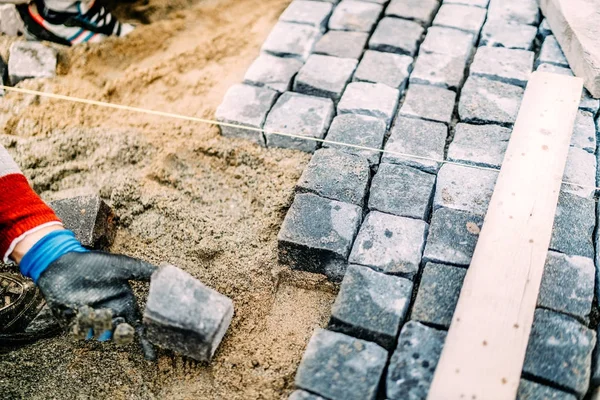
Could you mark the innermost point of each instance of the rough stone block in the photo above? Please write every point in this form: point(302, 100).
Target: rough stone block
point(560, 351)
point(482, 145)
point(419, 138)
point(396, 35)
point(390, 244)
point(336, 175)
point(29, 60)
point(588, 103)
point(11, 23)
point(580, 170)
point(371, 306)
point(352, 15)
point(448, 41)
point(357, 130)
point(418, 10)
point(184, 315)
point(504, 34)
point(544, 29)
point(324, 76)
point(551, 53)
point(534, 391)
point(387, 68)
point(429, 103)
point(342, 44)
point(90, 218)
point(438, 294)
point(370, 99)
point(302, 395)
point(474, 3)
point(413, 364)
point(317, 235)
point(337, 366)
point(291, 40)
point(273, 72)
point(574, 225)
point(247, 106)
point(461, 17)
point(489, 102)
point(401, 190)
point(511, 66)
point(515, 11)
point(313, 13)
point(441, 70)
point(584, 132)
point(452, 237)
point(298, 114)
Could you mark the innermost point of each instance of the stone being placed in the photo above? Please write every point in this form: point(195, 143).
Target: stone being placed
point(413, 364)
point(430, 103)
point(371, 306)
point(298, 114)
point(421, 11)
point(461, 17)
point(336, 175)
point(184, 315)
point(560, 351)
point(416, 137)
point(580, 170)
point(515, 11)
point(438, 294)
point(342, 44)
point(511, 66)
point(584, 132)
point(29, 60)
point(534, 391)
point(482, 145)
point(247, 106)
point(291, 40)
point(387, 68)
point(452, 237)
point(11, 23)
point(504, 34)
point(551, 53)
point(448, 41)
point(357, 130)
point(574, 225)
point(390, 244)
point(337, 366)
point(302, 395)
point(273, 72)
point(441, 70)
point(474, 3)
point(396, 35)
point(489, 102)
point(317, 235)
point(313, 13)
point(353, 15)
point(370, 99)
point(402, 190)
point(324, 76)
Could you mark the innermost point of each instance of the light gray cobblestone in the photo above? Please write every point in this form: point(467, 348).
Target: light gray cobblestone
point(324, 76)
point(584, 132)
point(489, 102)
point(448, 41)
point(352, 15)
point(342, 44)
point(273, 72)
point(515, 11)
point(291, 40)
point(441, 70)
point(499, 33)
point(417, 10)
point(429, 103)
point(387, 68)
point(580, 170)
point(511, 66)
point(551, 53)
point(461, 17)
point(371, 99)
point(29, 60)
point(396, 35)
point(313, 13)
point(482, 145)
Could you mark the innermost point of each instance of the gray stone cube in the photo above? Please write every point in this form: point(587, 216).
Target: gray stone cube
point(574, 225)
point(29, 60)
point(371, 306)
point(498, 33)
point(417, 10)
point(482, 145)
point(317, 235)
point(298, 114)
point(511, 66)
point(184, 315)
point(337, 366)
point(313, 13)
point(489, 102)
point(516, 11)
point(448, 41)
point(353, 15)
point(302, 395)
point(474, 3)
point(325, 76)
point(534, 391)
point(441, 70)
point(584, 132)
point(544, 29)
point(430, 103)
point(273, 72)
point(580, 171)
point(291, 40)
point(390, 244)
point(551, 53)
point(370, 99)
point(588, 103)
point(396, 35)
point(342, 44)
point(461, 17)
point(387, 68)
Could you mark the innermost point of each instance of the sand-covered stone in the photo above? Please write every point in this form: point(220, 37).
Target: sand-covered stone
point(429, 103)
point(370, 99)
point(441, 70)
point(273, 72)
point(353, 15)
point(498, 33)
point(452, 42)
point(387, 68)
point(461, 17)
point(396, 35)
point(489, 102)
point(342, 44)
point(482, 145)
point(313, 13)
point(324, 76)
point(30, 60)
point(421, 11)
point(511, 66)
point(291, 40)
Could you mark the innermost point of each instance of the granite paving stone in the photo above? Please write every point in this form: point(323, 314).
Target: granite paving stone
point(396, 35)
point(551, 53)
point(482, 145)
point(442, 70)
point(429, 103)
point(273, 72)
point(325, 76)
point(544, 29)
point(413, 364)
point(302, 395)
point(317, 235)
point(461, 17)
point(418, 10)
point(336, 175)
point(401, 190)
point(511, 66)
point(291, 40)
point(452, 237)
point(515, 11)
point(298, 114)
point(498, 33)
point(390, 244)
point(371, 306)
point(353, 15)
point(416, 137)
point(387, 68)
point(474, 3)
point(370, 99)
point(30, 60)
point(574, 225)
point(560, 351)
point(584, 132)
point(248, 106)
point(342, 44)
point(438, 294)
point(448, 41)
point(534, 391)
point(357, 130)
point(313, 13)
point(340, 367)
point(580, 170)
point(489, 102)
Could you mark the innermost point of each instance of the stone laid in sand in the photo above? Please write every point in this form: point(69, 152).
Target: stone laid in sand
point(340, 367)
point(511, 66)
point(534, 391)
point(482, 145)
point(273, 72)
point(302, 395)
point(421, 11)
point(298, 114)
point(387, 68)
point(184, 315)
point(474, 3)
point(90, 218)
point(511, 36)
point(584, 132)
point(370, 99)
point(448, 41)
point(11, 23)
point(429, 103)
point(317, 235)
point(401, 190)
point(461, 17)
point(515, 11)
point(324, 76)
point(313, 13)
point(396, 35)
point(551, 53)
point(441, 70)
point(353, 15)
point(342, 44)
point(580, 170)
point(390, 244)
point(336, 175)
point(574, 225)
point(291, 40)
point(371, 306)
point(489, 102)
point(30, 60)
point(247, 106)
point(452, 237)
point(413, 364)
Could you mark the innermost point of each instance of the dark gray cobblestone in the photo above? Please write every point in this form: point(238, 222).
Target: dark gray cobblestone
point(353, 15)
point(442, 70)
point(429, 103)
point(534, 391)
point(273, 72)
point(574, 225)
point(498, 33)
point(421, 11)
point(482, 145)
point(489, 102)
point(311, 13)
point(448, 41)
point(324, 76)
point(461, 17)
point(370, 99)
point(387, 68)
point(342, 44)
point(396, 35)
point(291, 40)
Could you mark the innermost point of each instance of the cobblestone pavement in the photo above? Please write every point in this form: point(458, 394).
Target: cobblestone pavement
point(436, 80)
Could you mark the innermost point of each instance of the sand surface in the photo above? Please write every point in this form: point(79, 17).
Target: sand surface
point(184, 195)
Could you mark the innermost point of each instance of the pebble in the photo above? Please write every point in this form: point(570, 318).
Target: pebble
point(482, 145)
point(505, 34)
point(396, 35)
point(430, 103)
point(461, 17)
point(370, 99)
point(291, 40)
point(353, 15)
point(387, 68)
point(325, 76)
point(31, 60)
point(342, 44)
point(510, 66)
point(489, 102)
point(441, 70)
point(312, 13)
point(273, 72)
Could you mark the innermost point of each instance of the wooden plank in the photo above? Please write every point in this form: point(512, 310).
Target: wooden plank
point(485, 347)
point(575, 25)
